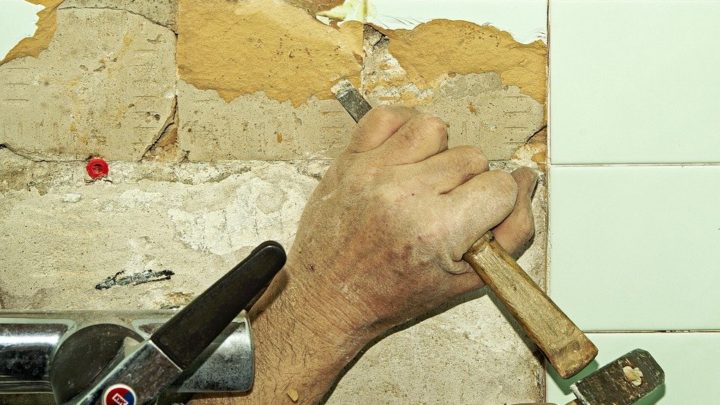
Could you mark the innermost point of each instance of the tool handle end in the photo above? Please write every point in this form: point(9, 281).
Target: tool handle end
point(566, 347)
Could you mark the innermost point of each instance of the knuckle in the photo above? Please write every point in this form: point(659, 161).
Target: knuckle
point(384, 115)
point(474, 158)
point(380, 115)
point(434, 124)
point(505, 183)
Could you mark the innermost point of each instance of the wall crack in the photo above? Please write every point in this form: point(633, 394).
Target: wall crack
point(165, 143)
point(21, 155)
point(158, 23)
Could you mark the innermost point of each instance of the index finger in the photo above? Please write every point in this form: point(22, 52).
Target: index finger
point(377, 126)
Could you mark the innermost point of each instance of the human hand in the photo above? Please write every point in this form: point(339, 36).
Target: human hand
point(381, 239)
point(380, 242)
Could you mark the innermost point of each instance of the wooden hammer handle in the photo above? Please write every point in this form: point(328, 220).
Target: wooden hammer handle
point(564, 344)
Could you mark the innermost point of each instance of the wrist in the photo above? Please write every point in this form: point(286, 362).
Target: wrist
point(303, 341)
point(327, 306)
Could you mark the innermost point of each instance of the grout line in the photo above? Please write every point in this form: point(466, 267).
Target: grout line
point(668, 331)
point(658, 164)
point(548, 87)
point(548, 157)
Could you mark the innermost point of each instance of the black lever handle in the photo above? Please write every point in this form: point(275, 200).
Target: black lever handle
point(184, 336)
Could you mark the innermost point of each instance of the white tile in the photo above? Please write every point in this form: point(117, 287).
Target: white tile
point(636, 248)
point(17, 21)
point(634, 81)
point(691, 362)
point(526, 20)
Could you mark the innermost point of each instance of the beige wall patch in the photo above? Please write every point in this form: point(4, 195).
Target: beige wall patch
point(245, 47)
point(104, 86)
point(431, 51)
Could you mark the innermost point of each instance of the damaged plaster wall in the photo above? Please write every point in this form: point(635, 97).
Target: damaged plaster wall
point(218, 123)
point(62, 236)
point(264, 46)
point(256, 83)
point(479, 109)
point(434, 66)
point(110, 97)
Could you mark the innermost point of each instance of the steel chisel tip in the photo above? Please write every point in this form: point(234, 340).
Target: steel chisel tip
point(351, 99)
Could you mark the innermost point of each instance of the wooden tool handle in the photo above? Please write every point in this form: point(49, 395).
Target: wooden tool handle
point(564, 344)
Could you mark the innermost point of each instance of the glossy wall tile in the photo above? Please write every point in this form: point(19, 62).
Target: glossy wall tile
point(634, 81)
point(636, 248)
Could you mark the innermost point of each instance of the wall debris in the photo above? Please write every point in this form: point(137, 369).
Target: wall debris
point(147, 276)
point(162, 12)
point(254, 84)
point(197, 219)
point(480, 109)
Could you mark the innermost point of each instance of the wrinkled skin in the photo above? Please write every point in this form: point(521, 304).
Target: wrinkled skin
point(379, 243)
point(391, 219)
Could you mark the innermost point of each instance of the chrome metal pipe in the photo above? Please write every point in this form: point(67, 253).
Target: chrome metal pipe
point(29, 342)
point(25, 353)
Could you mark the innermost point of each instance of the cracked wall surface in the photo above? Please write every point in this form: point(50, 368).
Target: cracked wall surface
point(480, 108)
point(105, 86)
point(257, 127)
point(217, 121)
point(198, 220)
point(162, 12)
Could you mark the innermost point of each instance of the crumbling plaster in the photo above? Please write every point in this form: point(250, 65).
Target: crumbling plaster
point(201, 173)
point(279, 75)
point(62, 236)
point(109, 96)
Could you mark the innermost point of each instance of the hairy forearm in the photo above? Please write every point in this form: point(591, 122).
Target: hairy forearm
point(302, 339)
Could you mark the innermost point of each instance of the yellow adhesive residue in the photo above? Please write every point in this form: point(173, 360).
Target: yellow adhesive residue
point(47, 22)
point(315, 6)
point(244, 47)
point(438, 48)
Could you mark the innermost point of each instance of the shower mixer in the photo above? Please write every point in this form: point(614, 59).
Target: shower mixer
point(130, 358)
